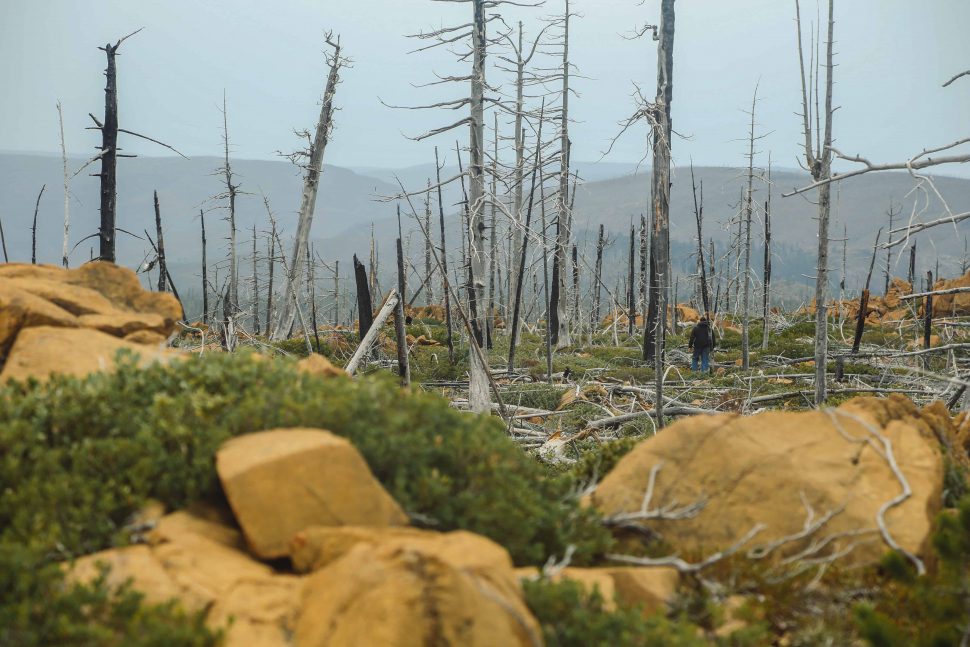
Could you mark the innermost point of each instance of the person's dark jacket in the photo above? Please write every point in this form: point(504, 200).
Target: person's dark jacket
point(701, 337)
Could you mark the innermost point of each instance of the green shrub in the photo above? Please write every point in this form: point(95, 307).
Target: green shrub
point(38, 609)
point(930, 610)
point(77, 457)
point(572, 617)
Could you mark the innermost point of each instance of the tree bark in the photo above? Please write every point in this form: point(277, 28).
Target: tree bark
point(109, 157)
point(33, 229)
point(478, 384)
point(67, 189)
point(365, 312)
point(205, 279)
point(660, 193)
point(162, 270)
point(403, 367)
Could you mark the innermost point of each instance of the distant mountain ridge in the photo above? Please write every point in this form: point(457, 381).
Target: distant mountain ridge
point(350, 206)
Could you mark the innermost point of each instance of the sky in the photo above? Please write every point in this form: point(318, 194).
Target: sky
point(267, 57)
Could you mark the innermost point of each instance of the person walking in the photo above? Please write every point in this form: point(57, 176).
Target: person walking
point(702, 343)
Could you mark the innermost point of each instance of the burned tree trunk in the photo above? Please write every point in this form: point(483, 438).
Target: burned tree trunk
point(928, 318)
point(365, 311)
point(205, 278)
point(162, 269)
point(523, 250)
point(308, 202)
point(766, 271)
point(444, 262)
point(403, 367)
point(598, 279)
point(631, 288)
point(33, 229)
point(109, 156)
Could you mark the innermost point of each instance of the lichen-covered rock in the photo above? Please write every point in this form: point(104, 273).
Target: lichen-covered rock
point(282, 481)
point(394, 594)
point(40, 351)
point(835, 470)
point(96, 297)
point(947, 305)
point(320, 366)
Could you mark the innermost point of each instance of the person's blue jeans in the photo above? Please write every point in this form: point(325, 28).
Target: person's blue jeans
point(704, 354)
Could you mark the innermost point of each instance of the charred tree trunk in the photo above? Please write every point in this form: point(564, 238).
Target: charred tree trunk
point(444, 262)
point(271, 260)
point(766, 270)
point(365, 311)
point(631, 287)
point(403, 367)
point(109, 156)
point(33, 229)
point(205, 278)
point(928, 319)
point(523, 250)
point(598, 279)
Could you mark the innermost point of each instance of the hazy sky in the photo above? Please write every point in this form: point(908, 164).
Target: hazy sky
point(893, 56)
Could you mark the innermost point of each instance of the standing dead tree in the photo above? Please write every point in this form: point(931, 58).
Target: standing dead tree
point(818, 159)
point(109, 152)
point(658, 115)
point(33, 229)
point(748, 214)
point(701, 264)
point(475, 33)
point(205, 280)
point(67, 188)
point(559, 308)
point(311, 184)
point(162, 267)
point(766, 270)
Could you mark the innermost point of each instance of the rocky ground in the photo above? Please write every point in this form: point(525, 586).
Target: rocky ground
point(176, 494)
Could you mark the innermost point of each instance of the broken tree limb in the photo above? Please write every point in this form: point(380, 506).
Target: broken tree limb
point(371, 336)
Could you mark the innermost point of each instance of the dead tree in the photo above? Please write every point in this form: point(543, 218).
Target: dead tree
point(564, 217)
point(232, 190)
point(660, 195)
point(643, 274)
point(598, 278)
point(428, 269)
point(109, 152)
point(271, 261)
point(205, 280)
point(748, 213)
point(928, 318)
point(889, 252)
point(404, 369)
point(864, 299)
point(162, 268)
point(523, 250)
point(67, 188)
point(3, 243)
point(365, 311)
point(256, 326)
point(911, 275)
point(33, 229)
point(631, 286)
point(699, 217)
point(766, 270)
point(444, 262)
point(520, 63)
point(818, 158)
point(311, 184)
